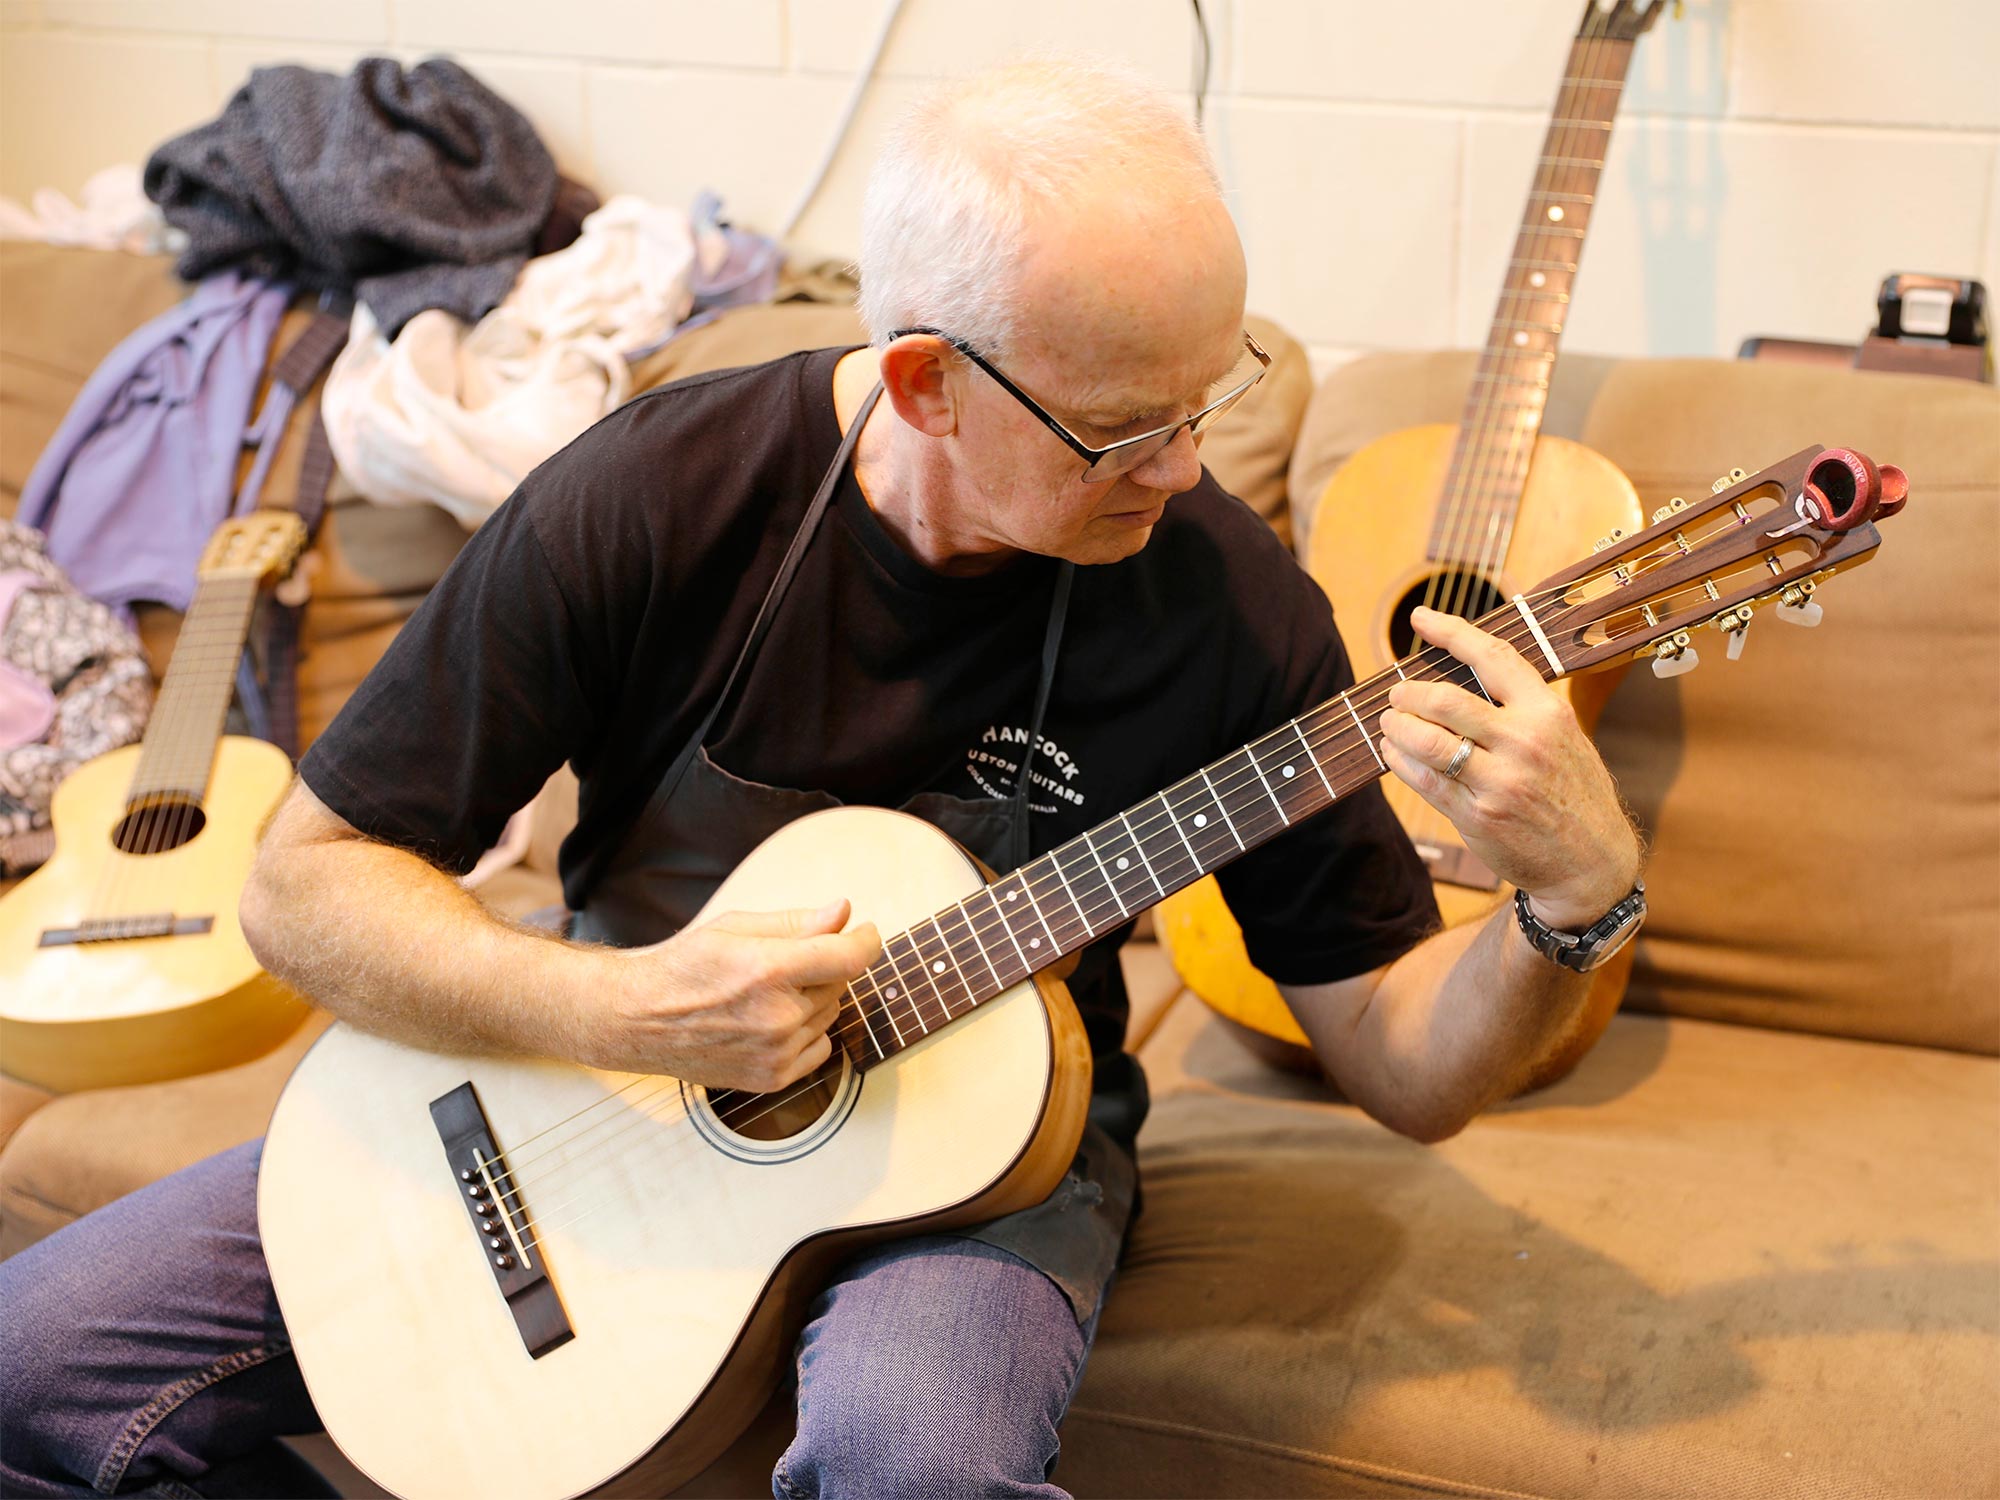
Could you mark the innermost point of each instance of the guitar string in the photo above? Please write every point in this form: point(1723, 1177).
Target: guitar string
point(1476, 455)
point(1601, 55)
point(852, 1030)
point(545, 1221)
point(129, 881)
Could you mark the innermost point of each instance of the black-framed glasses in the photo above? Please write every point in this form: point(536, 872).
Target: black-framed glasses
point(1127, 453)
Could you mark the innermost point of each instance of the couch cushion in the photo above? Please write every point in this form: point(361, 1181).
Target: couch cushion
point(1715, 1260)
point(1827, 809)
point(79, 1151)
point(65, 310)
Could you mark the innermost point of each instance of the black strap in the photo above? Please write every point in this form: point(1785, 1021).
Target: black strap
point(768, 610)
point(1051, 644)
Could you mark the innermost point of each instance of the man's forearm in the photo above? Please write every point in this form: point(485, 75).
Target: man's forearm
point(1457, 1023)
point(396, 946)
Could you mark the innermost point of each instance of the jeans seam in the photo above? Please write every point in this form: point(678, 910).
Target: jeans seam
point(784, 1482)
point(111, 1473)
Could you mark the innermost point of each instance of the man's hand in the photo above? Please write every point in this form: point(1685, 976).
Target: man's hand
point(1533, 799)
point(743, 1001)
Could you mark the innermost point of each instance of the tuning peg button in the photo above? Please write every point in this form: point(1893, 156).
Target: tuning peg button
point(1684, 660)
point(1736, 639)
point(1807, 614)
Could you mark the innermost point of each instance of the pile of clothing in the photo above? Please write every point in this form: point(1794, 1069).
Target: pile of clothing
point(489, 310)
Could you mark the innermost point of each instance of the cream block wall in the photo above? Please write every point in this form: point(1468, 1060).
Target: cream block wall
point(1773, 159)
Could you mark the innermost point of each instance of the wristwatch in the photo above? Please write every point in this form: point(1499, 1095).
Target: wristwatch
point(1583, 951)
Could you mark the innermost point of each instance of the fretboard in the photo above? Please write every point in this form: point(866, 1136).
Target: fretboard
point(947, 965)
point(1503, 410)
point(187, 720)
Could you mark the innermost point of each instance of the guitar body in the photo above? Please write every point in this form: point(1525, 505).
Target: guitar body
point(683, 1253)
point(96, 1015)
point(1367, 550)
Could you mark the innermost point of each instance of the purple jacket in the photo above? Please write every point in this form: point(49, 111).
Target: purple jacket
point(143, 469)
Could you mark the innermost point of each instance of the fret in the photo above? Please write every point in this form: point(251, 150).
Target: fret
point(972, 929)
point(941, 968)
point(1267, 788)
point(1539, 385)
point(1007, 925)
point(1199, 865)
point(1306, 745)
point(1555, 229)
point(1123, 909)
point(1533, 327)
point(913, 992)
point(1592, 163)
point(1582, 124)
point(1348, 700)
point(888, 994)
point(1564, 197)
point(1117, 844)
point(1082, 917)
point(1026, 888)
point(1547, 265)
point(1227, 821)
point(1594, 83)
point(1126, 819)
point(868, 1026)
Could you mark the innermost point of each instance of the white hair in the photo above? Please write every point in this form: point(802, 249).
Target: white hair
point(952, 192)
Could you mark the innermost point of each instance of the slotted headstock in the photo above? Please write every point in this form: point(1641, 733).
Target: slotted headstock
point(1756, 538)
point(1619, 20)
point(261, 545)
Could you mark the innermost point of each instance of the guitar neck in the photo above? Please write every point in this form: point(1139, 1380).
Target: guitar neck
point(187, 719)
point(1503, 409)
point(944, 967)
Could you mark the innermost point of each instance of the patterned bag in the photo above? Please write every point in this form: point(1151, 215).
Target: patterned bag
point(73, 684)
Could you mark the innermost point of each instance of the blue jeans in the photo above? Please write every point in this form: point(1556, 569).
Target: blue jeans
point(141, 1351)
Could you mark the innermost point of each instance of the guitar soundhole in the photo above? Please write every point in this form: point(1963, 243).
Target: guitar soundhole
point(781, 1115)
point(1468, 595)
point(156, 827)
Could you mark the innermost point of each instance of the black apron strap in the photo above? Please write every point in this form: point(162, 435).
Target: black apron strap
point(1051, 645)
point(768, 610)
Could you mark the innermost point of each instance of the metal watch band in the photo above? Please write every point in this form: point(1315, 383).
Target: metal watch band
point(1583, 951)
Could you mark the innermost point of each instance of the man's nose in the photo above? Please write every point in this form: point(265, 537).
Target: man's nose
point(1174, 469)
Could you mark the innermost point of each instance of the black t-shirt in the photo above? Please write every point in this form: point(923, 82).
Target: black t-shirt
point(595, 617)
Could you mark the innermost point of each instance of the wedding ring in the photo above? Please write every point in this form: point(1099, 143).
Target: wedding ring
point(1458, 760)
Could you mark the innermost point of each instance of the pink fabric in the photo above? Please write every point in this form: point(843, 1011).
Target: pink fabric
point(27, 706)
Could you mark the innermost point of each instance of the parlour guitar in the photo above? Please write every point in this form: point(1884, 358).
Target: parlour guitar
point(1457, 519)
point(540, 1279)
point(121, 960)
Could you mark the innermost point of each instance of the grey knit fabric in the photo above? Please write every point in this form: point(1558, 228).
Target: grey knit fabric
point(408, 188)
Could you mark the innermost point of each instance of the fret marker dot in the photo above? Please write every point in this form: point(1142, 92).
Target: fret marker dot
point(1290, 772)
point(1536, 278)
point(1013, 895)
point(1201, 820)
point(1520, 339)
point(1124, 863)
point(1034, 942)
point(1556, 214)
point(889, 993)
point(938, 967)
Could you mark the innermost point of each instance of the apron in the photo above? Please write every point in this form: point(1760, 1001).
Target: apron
point(701, 820)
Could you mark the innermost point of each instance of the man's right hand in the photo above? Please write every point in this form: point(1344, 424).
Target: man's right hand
point(743, 1001)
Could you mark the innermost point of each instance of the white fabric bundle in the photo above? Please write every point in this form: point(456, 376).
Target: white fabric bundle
point(457, 416)
point(114, 214)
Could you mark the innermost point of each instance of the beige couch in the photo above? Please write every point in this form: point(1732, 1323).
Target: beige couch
point(1751, 1247)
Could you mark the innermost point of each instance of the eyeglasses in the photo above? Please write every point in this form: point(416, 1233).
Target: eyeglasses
point(1127, 453)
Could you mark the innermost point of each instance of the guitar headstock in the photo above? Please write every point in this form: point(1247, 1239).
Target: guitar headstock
point(1768, 537)
point(261, 545)
point(1620, 20)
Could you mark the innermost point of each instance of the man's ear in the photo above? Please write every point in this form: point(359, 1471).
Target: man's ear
point(917, 371)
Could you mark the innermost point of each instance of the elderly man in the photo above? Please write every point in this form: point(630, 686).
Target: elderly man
point(996, 589)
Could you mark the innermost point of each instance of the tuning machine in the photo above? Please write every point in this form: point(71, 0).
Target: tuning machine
point(1796, 605)
point(1673, 656)
point(1734, 476)
point(1734, 623)
point(1672, 507)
